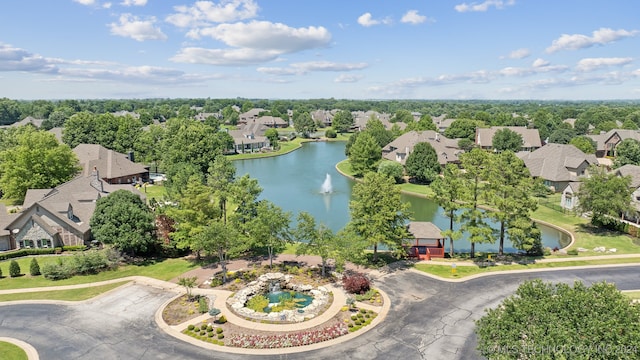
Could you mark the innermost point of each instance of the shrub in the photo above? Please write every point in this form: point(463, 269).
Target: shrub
point(34, 267)
point(258, 303)
point(330, 133)
point(210, 334)
point(191, 327)
point(220, 336)
point(203, 307)
point(89, 262)
point(222, 320)
point(356, 283)
point(14, 268)
point(219, 330)
point(572, 252)
point(203, 327)
point(56, 271)
point(209, 328)
point(0, 272)
point(546, 251)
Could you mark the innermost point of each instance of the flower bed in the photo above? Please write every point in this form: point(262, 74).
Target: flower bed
point(291, 339)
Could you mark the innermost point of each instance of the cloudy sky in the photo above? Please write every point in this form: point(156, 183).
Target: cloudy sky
point(295, 49)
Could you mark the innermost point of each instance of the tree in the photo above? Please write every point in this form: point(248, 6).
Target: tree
point(448, 193)
point(562, 136)
point(462, 128)
point(627, 152)
point(122, 219)
point(403, 116)
point(315, 240)
point(188, 141)
point(378, 214)
point(376, 128)
point(510, 193)
point(223, 240)
point(507, 139)
point(269, 229)
point(422, 163)
point(188, 283)
point(34, 267)
point(9, 111)
point(424, 123)
point(221, 179)
point(14, 269)
point(342, 121)
point(392, 169)
point(555, 317)
point(304, 124)
point(606, 196)
point(37, 161)
point(272, 135)
point(584, 143)
point(364, 154)
point(473, 219)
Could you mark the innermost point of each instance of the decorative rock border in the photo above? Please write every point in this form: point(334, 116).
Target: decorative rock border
point(238, 301)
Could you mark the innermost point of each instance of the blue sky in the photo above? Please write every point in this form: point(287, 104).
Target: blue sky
point(295, 49)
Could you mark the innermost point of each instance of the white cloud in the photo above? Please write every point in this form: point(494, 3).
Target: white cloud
point(16, 59)
point(601, 36)
point(484, 6)
point(412, 17)
point(207, 12)
point(137, 29)
point(85, 2)
point(348, 78)
point(591, 64)
point(519, 54)
point(224, 57)
point(367, 20)
point(310, 66)
point(539, 63)
point(134, 3)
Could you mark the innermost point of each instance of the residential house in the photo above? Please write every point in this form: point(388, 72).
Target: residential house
point(122, 113)
point(114, 167)
point(530, 137)
point(442, 122)
point(400, 148)
point(632, 171)
point(606, 143)
point(324, 116)
point(427, 241)
point(558, 164)
point(250, 138)
point(58, 216)
point(250, 115)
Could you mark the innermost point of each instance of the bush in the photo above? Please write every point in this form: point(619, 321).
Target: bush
point(56, 271)
point(257, 303)
point(210, 334)
point(547, 251)
point(572, 252)
point(219, 330)
point(330, 133)
point(356, 283)
point(220, 336)
point(203, 307)
point(25, 252)
point(14, 269)
point(0, 272)
point(34, 267)
point(89, 262)
point(191, 327)
point(222, 320)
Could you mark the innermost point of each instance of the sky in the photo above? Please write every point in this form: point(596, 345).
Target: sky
point(306, 49)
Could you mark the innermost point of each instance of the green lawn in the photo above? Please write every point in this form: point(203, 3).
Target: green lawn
point(66, 295)
point(633, 294)
point(11, 351)
point(285, 147)
point(155, 191)
point(162, 269)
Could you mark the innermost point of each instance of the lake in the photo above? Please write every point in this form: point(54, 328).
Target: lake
point(295, 182)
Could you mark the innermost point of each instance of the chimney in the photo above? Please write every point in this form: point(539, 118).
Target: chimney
point(96, 183)
point(130, 156)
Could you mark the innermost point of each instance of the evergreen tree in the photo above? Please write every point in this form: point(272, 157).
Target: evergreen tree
point(34, 267)
point(14, 269)
point(422, 163)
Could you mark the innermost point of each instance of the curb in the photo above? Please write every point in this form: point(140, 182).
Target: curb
point(32, 353)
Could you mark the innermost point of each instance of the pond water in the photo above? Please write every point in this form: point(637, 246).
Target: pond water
point(298, 181)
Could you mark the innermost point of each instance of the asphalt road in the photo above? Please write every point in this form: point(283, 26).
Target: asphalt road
point(428, 319)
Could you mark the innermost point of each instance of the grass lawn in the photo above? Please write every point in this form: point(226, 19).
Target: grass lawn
point(633, 294)
point(285, 147)
point(155, 191)
point(166, 269)
point(416, 189)
point(66, 295)
point(11, 351)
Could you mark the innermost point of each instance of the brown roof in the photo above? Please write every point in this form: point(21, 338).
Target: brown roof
point(632, 171)
point(110, 164)
point(530, 137)
point(447, 149)
point(551, 162)
point(424, 230)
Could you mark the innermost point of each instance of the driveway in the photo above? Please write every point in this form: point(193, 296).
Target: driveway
point(428, 319)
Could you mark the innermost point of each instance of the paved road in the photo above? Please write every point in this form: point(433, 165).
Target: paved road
point(429, 319)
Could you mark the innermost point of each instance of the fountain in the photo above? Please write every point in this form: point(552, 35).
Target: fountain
point(327, 188)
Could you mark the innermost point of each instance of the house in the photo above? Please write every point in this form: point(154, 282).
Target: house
point(114, 167)
point(569, 197)
point(558, 164)
point(250, 115)
point(57, 217)
point(442, 122)
point(361, 118)
point(530, 137)
point(324, 116)
point(632, 171)
point(606, 143)
point(400, 148)
point(427, 241)
point(123, 113)
point(249, 139)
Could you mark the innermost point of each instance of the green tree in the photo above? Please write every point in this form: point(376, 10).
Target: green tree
point(627, 152)
point(188, 141)
point(303, 124)
point(342, 121)
point(378, 214)
point(376, 128)
point(462, 128)
point(562, 136)
point(272, 135)
point(448, 193)
point(14, 269)
point(507, 139)
point(9, 111)
point(221, 179)
point(392, 169)
point(606, 196)
point(422, 163)
point(269, 229)
point(124, 220)
point(34, 267)
point(315, 239)
point(37, 161)
point(403, 116)
point(224, 241)
point(473, 220)
point(584, 143)
point(629, 125)
point(424, 123)
point(188, 283)
point(364, 154)
point(510, 194)
point(555, 316)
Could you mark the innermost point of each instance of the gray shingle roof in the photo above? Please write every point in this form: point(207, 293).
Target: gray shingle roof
point(447, 149)
point(632, 171)
point(530, 137)
point(551, 161)
point(424, 230)
point(109, 163)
